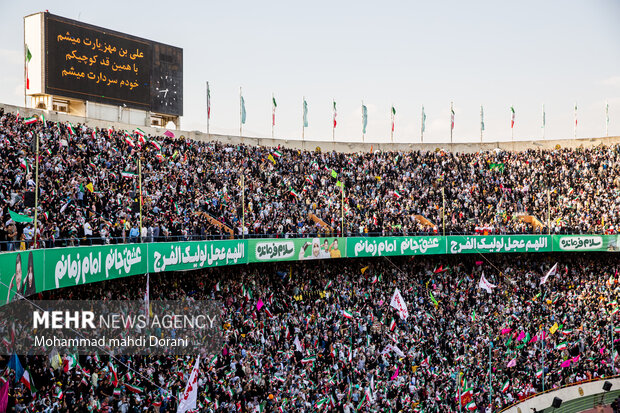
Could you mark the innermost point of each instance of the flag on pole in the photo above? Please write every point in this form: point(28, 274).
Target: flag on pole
point(28, 57)
point(544, 117)
point(451, 117)
point(552, 271)
point(273, 110)
point(512, 119)
point(364, 118)
point(607, 114)
point(242, 110)
point(485, 284)
point(305, 113)
point(506, 386)
point(423, 120)
point(393, 116)
point(399, 304)
point(575, 115)
point(481, 118)
point(347, 314)
point(208, 102)
point(30, 120)
point(187, 401)
point(335, 113)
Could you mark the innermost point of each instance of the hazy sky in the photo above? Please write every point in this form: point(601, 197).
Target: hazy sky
point(406, 53)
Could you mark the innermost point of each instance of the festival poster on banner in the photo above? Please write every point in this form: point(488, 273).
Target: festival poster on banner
point(574, 243)
point(66, 267)
point(296, 249)
point(20, 271)
point(499, 243)
point(393, 246)
point(173, 256)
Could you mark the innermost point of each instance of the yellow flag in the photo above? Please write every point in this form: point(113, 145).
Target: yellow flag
point(364, 269)
point(271, 158)
point(554, 328)
point(90, 187)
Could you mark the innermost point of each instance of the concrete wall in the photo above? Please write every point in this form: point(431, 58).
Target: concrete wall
point(104, 116)
point(568, 393)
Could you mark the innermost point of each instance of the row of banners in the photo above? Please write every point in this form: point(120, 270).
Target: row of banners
point(34, 271)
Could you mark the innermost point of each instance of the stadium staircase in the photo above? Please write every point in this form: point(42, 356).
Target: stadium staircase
point(531, 219)
point(223, 226)
point(424, 221)
point(323, 224)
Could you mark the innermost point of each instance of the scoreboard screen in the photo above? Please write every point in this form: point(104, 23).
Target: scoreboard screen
point(96, 64)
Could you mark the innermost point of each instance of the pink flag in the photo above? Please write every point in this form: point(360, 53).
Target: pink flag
point(395, 374)
point(602, 351)
point(479, 263)
point(506, 330)
point(534, 339)
point(259, 304)
point(512, 362)
point(169, 134)
point(4, 396)
point(565, 364)
point(521, 336)
point(575, 359)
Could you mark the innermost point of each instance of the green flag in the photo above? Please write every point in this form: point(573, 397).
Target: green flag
point(481, 118)
point(18, 217)
point(393, 111)
point(334, 174)
point(28, 54)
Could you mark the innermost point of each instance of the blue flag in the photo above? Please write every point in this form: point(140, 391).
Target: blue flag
point(16, 366)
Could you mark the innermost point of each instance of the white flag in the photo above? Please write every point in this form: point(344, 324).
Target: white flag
point(552, 271)
point(485, 284)
point(399, 303)
point(398, 351)
point(298, 344)
point(188, 399)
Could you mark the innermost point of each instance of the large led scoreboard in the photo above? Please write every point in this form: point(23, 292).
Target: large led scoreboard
point(94, 64)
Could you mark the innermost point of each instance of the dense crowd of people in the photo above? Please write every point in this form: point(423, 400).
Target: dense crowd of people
point(89, 191)
point(328, 339)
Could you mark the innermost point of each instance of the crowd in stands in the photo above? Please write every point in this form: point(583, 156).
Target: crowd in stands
point(89, 191)
point(327, 338)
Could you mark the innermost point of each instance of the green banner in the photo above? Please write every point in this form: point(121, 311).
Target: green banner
point(498, 243)
point(391, 246)
point(66, 267)
point(174, 256)
point(566, 243)
point(295, 249)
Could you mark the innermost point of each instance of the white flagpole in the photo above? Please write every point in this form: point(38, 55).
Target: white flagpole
point(606, 118)
point(422, 127)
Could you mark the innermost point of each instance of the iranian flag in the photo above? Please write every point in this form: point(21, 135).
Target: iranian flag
point(561, 346)
point(157, 145)
point(310, 359)
point(134, 389)
point(23, 163)
point(129, 141)
point(451, 118)
point(506, 386)
point(393, 116)
point(117, 392)
point(512, 119)
point(471, 406)
point(294, 193)
point(539, 373)
point(277, 154)
point(347, 314)
point(566, 332)
point(126, 174)
point(392, 325)
point(93, 134)
point(26, 380)
point(140, 132)
point(71, 129)
point(30, 120)
point(273, 110)
point(397, 194)
point(335, 113)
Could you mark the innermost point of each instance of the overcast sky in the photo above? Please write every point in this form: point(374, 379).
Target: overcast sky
point(402, 53)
